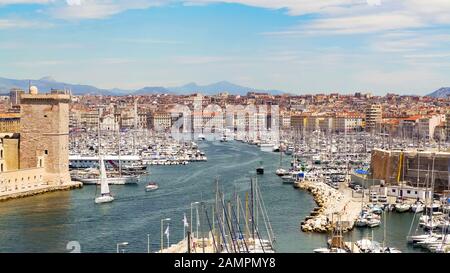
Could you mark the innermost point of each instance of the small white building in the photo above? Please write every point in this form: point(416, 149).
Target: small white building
point(408, 192)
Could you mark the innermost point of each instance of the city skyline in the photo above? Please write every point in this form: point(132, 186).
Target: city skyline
point(299, 47)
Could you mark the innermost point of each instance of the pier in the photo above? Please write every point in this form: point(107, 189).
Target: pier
point(330, 201)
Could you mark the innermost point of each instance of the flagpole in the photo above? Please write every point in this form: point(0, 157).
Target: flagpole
point(185, 225)
point(168, 234)
point(148, 243)
point(197, 218)
point(162, 235)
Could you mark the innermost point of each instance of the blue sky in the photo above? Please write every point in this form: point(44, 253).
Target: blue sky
point(300, 46)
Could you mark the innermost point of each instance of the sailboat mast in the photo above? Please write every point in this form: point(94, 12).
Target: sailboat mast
point(384, 229)
point(98, 134)
point(432, 191)
point(256, 202)
point(418, 168)
point(281, 157)
point(252, 209)
point(120, 161)
point(247, 230)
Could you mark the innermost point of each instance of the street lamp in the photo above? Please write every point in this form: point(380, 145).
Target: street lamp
point(193, 203)
point(121, 244)
point(162, 231)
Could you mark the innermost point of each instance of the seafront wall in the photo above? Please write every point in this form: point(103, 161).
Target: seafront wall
point(394, 166)
point(38, 190)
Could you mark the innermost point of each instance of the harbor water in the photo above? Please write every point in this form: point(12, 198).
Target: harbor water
point(47, 223)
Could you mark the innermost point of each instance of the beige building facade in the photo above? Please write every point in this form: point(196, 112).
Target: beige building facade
point(373, 116)
point(37, 159)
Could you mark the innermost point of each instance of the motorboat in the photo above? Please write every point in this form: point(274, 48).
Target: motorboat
point(260, 170)
point(391, 250)
point(329, 250)
point(373, 223)
point(276, 148)
point(377, 210)
point(289, 150)
point(201, 137)
point(281, 172)
point(417, 207)
point(402, 207)
point(361, 222)
point(151, 186)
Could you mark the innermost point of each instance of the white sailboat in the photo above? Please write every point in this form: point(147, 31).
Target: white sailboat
point(105, 194)
point(280, 171)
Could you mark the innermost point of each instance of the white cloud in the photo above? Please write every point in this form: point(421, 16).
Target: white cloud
point(428, 55)
point(74, 2)
point(98, 9)
point(339, 17)
point(409, 41)
point(11, 2)
point(150, 41)
point(193, 60)
point(19, 23)
point(294, 7)
point(333, 16)
point(374, 2)
point(365, 23)
point(41, 63)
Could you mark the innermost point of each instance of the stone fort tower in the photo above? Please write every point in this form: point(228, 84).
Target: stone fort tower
point(44, 135)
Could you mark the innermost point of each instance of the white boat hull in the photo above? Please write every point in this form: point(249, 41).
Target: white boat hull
point(417, 208)
point(151, 188)
point(402, 208)
point(111, 180)
point(104, 199)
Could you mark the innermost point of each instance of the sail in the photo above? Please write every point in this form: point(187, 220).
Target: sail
point(104, 187)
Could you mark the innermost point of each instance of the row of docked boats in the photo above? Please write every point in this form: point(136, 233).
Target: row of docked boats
point(336, 243)
point(126, 158)
point(231, 226)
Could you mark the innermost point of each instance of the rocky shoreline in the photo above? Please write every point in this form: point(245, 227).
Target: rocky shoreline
point(329, 201)
point(73, 185)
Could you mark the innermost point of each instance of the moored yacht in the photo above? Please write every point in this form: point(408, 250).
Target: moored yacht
point(402, 207)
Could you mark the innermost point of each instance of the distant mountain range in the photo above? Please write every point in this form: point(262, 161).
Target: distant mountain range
point(223, 86)
point(443, 92)
point(47, 83)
